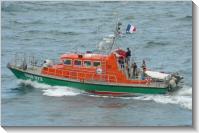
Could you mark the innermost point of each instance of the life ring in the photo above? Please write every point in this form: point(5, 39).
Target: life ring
point(148, 79)
point(99, 70)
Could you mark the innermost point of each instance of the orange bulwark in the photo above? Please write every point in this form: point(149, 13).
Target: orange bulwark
point(91, 67)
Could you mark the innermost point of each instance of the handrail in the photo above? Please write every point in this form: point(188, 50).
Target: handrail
point(20, 58)
point(76, 75)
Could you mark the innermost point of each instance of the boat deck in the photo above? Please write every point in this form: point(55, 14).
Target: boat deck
point(37, 71)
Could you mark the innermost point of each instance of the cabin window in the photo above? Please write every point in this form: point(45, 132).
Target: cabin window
point(67, 62)
point(77, 63)
point(87, 63)
point(96, 64)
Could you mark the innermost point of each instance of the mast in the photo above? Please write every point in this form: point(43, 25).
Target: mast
point(116, 33)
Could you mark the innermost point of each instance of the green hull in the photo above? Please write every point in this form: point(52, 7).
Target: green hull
point(90, 87)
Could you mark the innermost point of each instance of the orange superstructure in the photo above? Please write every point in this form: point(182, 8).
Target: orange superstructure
point(91, 67)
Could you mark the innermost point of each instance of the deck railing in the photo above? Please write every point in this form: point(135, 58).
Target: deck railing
point(82, 76)
point(31, 61)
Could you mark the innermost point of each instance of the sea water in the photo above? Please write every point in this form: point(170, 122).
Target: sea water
point(47, 29)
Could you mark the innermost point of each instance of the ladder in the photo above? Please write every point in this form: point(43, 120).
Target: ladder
point(103, 65)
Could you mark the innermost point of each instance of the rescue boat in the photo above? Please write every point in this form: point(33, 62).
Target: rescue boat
point(96, 73)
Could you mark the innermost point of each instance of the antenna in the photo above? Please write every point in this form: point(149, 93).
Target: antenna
point(116, 33)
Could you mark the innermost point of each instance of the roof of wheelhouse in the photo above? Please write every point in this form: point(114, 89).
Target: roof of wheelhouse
point(86, 56)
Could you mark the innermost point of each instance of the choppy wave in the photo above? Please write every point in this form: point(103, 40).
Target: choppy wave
point(9, 7)
point(53, 32)
point(129, 18)
point(56, 91)
point(152, 44)
point(170, 15)
point(186, 18)
point(29, 22)
point(21, 6)
point(85, 19)
point(56, 32)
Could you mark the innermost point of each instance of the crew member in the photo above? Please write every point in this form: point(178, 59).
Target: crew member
point(121, 62)
point(128, 71)
point(134, 69)
point(143, 65)
point(128, 55)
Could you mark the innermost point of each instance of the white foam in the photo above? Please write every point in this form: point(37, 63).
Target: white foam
point(60, 91)
point(56, 91)
point(182, 97)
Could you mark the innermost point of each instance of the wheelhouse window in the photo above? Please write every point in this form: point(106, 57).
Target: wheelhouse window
point(67, 62)
point(77, 62)
point(96, 63)
point(87, 63)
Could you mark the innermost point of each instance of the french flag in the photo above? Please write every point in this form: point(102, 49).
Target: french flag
point(130, 29)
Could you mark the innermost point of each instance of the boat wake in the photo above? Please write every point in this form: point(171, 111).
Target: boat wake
point(58, 91)
point(48, 90)
point(182, 97)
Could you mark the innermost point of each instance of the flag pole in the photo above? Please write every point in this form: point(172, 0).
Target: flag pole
point(116, 32)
